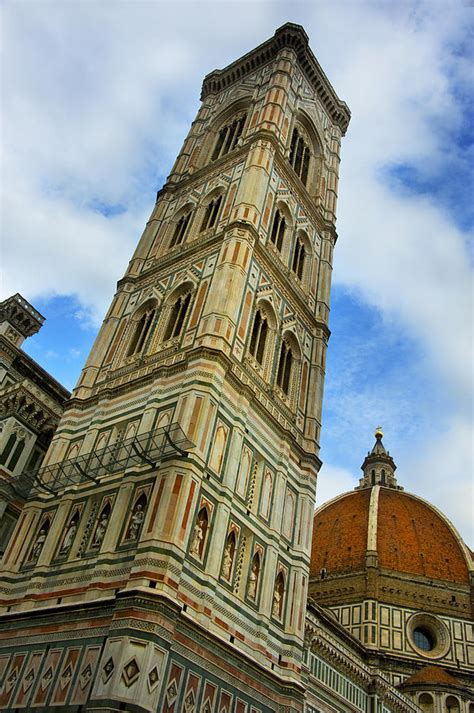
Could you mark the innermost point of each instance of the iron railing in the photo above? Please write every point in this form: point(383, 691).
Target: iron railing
point(147, 448)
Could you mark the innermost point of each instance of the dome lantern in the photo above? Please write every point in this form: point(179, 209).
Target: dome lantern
point(378, 467)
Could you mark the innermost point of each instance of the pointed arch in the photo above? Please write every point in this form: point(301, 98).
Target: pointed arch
point(229, 555)
point(301, 258)
point(254, 575)
point(266, 496)
point(226, 131)
point(177, 310)
point(199, 534)
point(306, 151)
point(210, 210)
point(278, 595)
point(180, 224)
point(140, 325)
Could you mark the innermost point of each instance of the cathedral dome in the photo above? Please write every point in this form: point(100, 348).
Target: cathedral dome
point(378, 529)
point(404, 533)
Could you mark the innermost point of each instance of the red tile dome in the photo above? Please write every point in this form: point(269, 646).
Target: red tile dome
point(408, 534)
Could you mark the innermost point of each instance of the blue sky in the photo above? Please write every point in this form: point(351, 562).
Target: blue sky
point(96, 100)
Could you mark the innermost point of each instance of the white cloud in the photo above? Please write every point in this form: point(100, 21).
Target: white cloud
point(332, 481)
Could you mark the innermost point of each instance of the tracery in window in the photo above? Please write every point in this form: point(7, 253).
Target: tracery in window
point(211, 213)
point(177, 316)
point(278, 230)
point(299, 155)
point(180, 229)
point(259, 336)
point(228, 137)
point(285, 365)
point(142, 329)
point(299, 258)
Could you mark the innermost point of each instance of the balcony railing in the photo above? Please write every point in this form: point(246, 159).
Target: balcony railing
point(147, 448)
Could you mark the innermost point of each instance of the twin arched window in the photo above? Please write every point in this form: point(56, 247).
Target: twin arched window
point(210, 216)
point(180, 230)
point(259, 336)
point(142, 329)
point(228, 137)
point(285, 364)
point(299, 258)
point(278, 230)
point(258, 344)
point(12, 451)
point(177, 316)
point(299, 155)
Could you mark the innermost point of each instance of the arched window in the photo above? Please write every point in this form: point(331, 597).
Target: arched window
point(278, 230)
point(180, 230)
point(211, 213)
point(299, 155)
point(19, 448)
point(8, 449)
point(228, 137)
point(259, 336)
point(425, 702)
point(383, 479)
point(372, 477)
point(142, 329)
point(298, 258)
point(451, 704)
point(284, 367)
point(177, 316)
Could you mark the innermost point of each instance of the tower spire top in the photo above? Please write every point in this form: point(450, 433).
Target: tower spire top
point(378, 466)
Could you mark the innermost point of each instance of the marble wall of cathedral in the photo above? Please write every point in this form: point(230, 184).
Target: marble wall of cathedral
point(389, 629)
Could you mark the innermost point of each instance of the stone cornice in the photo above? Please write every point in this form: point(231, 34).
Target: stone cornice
point(288, 36)
point(21, 314)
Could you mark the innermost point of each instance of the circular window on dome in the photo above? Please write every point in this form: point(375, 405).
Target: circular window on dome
point(428, 635)
point(423, 639)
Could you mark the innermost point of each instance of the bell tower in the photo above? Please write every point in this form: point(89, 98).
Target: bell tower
point(172, 514)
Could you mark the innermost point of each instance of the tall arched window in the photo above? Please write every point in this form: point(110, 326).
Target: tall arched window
point(180, 230)
point(19, 448)
point(142, 329)
point(210, 216)
point(177, 316)
point(284, 367)
point(298, 258)
point(278, 230)
point(299, 155)
point(259, 336)
point(8, 448)
point(228, 137)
